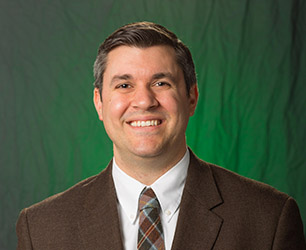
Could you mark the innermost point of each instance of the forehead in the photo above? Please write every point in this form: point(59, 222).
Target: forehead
point(134, 60)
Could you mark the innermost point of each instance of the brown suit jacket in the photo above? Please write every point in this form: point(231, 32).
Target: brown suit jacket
point(219, 210)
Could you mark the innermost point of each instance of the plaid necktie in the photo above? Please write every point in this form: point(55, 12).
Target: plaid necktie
point(150, 233)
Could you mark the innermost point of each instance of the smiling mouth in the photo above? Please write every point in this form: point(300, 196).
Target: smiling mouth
point(148, 123)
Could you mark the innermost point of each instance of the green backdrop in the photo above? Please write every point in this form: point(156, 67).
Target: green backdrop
point(250, 61)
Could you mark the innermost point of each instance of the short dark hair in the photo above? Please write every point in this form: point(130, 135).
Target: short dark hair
point(144, 35)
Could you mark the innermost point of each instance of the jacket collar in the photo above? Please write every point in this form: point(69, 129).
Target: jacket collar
point(99, 225)
point(198, 226)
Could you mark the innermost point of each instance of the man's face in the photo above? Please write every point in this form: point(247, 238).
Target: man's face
point(145, 107)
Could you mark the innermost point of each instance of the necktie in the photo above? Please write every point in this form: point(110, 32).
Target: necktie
point(150, 233)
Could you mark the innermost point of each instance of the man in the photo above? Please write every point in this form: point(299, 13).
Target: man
point(155, 193)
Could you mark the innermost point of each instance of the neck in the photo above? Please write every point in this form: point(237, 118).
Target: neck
point(148, 169)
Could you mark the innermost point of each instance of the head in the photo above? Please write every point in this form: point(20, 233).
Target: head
point(145, 92)
point(144, 35)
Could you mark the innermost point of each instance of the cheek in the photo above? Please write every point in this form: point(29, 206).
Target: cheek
point(174, 104)
point(116, 106)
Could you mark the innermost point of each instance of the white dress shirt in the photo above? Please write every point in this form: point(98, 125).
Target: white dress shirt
point(168, 189)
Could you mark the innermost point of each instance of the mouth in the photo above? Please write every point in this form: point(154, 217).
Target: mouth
point(147, 123)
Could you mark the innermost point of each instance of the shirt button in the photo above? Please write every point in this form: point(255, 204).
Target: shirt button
point(131, 217)
point(168, 212)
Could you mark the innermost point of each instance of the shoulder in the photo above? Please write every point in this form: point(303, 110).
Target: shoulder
point(231, 182)
point(69, 196)
point(70, 201)
point(238, 194)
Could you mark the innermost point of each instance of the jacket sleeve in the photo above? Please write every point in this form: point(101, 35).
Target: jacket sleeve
point(23, 233)
point(289, 233)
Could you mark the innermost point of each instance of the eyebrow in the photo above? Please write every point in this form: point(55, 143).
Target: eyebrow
point(161, 75)
point(120, 78)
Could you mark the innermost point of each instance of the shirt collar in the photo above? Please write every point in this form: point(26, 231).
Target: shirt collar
point(168, 189)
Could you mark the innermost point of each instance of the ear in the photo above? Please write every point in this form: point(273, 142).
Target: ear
point(98, 102)
point(193, 99)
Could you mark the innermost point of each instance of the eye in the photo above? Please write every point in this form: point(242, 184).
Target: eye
point(160, 84)
point(123, 86)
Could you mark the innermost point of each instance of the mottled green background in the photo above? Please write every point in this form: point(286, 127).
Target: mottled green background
point(250, 61)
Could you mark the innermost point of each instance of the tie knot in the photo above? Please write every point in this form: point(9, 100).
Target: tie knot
point(148, 199)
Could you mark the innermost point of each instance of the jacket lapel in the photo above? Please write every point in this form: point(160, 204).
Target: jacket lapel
point(99, 221)
point(198, 226)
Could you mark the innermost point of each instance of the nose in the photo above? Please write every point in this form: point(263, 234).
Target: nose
point(144, 98)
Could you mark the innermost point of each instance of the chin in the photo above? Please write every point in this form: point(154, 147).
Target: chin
point(146, 152)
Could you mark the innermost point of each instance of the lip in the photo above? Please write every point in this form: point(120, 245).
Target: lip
point(143, 118)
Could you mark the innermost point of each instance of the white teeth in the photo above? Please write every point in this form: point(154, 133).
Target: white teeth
point(145, 123)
